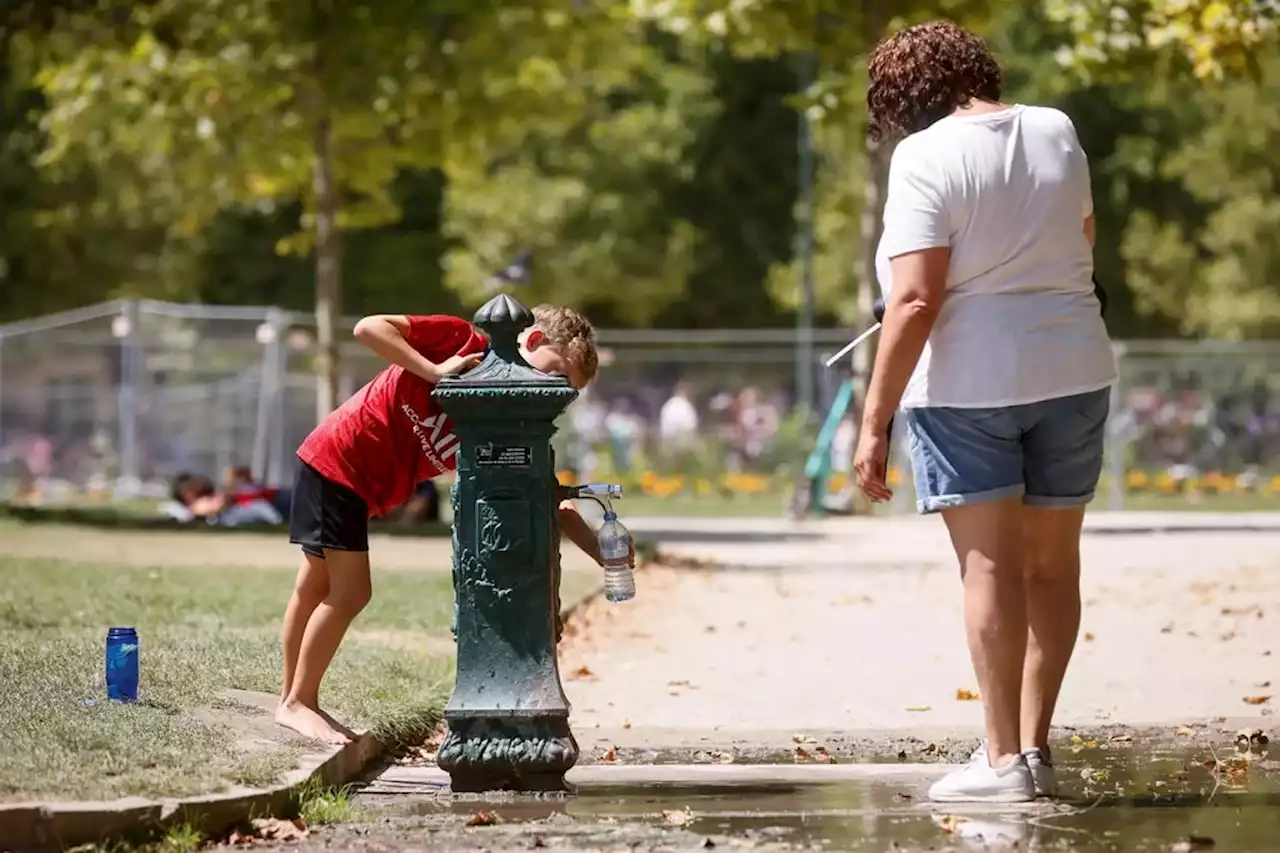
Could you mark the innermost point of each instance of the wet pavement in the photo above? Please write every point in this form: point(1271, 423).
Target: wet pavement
point(1116, 799)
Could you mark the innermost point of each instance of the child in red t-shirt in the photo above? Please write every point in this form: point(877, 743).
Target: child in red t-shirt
point(367, 458)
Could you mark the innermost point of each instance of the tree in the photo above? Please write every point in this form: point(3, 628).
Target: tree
point(1215, 269)
point(834, 38)
point(198, 106)
point(1216, 37)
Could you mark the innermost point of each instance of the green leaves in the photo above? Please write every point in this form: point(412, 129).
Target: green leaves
point(1217, 38)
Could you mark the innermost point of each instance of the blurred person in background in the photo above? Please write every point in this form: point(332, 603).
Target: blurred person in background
point(759, 421)
point(994, 345)
point(678, 418)
point(625, 430)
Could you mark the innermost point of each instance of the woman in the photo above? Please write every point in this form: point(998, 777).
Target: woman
point(993, 344)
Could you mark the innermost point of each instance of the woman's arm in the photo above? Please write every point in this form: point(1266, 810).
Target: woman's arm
point(919, 286)
point(387, 335)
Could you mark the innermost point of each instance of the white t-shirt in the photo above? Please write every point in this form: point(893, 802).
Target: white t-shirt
point(677, 419)
point(1008, 192)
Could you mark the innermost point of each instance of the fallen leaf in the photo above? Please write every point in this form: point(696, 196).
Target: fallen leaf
point(582, 672)
point(1167, 629)
point(1088, 637)
point(678, 817)
point(1185, 731)
point(801, 755)
point(1263, 684)
point(626, 724)
point(682, 683)
point(609, 755)
point(483, 819)
point(919, 708)
point(949, 823)
point(1256, 700)
point(1121, 738)
point(274, 829)
point(966, 695)
point(1192, 842)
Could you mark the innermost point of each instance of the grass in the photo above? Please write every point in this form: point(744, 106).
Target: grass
point(201, 632)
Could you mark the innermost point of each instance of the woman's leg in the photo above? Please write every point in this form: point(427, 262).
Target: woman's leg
point(968, 465)
point(988, 542)
point(1051, 572)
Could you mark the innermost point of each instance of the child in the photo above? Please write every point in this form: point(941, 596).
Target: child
point(369, 456)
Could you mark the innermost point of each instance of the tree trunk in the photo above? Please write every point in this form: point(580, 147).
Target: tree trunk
point(328, 250)
point(871, 225)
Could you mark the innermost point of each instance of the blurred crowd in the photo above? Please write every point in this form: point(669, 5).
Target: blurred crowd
point(629, 427)
point(651, 426)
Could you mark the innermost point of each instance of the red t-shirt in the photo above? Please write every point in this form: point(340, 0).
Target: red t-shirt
point(390, 436)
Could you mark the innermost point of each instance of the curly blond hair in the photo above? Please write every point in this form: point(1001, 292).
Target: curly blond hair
point(572, 334)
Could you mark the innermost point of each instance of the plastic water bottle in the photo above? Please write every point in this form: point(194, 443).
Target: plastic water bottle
point(615, 553)
point(122, 664)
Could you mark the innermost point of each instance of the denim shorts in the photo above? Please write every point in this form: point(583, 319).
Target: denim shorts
point(1049, 452)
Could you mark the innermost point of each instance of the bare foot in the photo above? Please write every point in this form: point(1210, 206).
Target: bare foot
point(309, 723)
point(337, 726)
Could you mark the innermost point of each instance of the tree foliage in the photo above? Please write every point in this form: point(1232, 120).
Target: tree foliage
point(645, 153)
point(1216, 37)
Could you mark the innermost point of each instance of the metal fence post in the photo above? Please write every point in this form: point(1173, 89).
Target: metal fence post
point(268, 334)
point(1117, 441)
point(126, 329)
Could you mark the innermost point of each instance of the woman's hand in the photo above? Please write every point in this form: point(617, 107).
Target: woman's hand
point(870, 466)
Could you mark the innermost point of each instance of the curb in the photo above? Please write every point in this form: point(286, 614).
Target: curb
point(59, 825)
point(422, 780)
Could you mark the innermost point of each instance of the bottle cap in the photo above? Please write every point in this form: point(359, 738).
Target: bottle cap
point(610, 516)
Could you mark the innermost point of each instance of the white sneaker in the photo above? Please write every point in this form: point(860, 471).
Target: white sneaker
point(979, 782)
point(1042, 773)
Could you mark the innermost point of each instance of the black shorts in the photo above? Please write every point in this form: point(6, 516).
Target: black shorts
point(326, 514)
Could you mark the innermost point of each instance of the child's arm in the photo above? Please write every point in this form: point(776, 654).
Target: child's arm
point(574, 526)
point(387, 335)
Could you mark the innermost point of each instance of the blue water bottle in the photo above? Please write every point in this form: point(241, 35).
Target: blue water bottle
point(122, 664)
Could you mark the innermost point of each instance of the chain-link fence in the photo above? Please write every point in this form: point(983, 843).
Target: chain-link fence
point(119, 398)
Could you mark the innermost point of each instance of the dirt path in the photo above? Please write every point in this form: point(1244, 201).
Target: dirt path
point(860, 630)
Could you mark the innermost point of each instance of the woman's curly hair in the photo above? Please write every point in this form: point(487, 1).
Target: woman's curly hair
point(921, 74)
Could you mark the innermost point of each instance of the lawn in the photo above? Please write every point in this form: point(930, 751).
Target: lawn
point(202, 631)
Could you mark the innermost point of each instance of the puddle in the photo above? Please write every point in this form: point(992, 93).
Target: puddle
point(1113, 799)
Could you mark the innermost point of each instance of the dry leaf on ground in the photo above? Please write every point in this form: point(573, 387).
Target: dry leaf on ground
point(802, 755)
point(678, 817)
point(919, 708)
point(1088, 636)
point(269, 829)
point(581, 673)
point(483, 819)
point(1120, 738)
point(966, 695)
point(609, 755)
point(1256, 700)
point(1185, 731)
